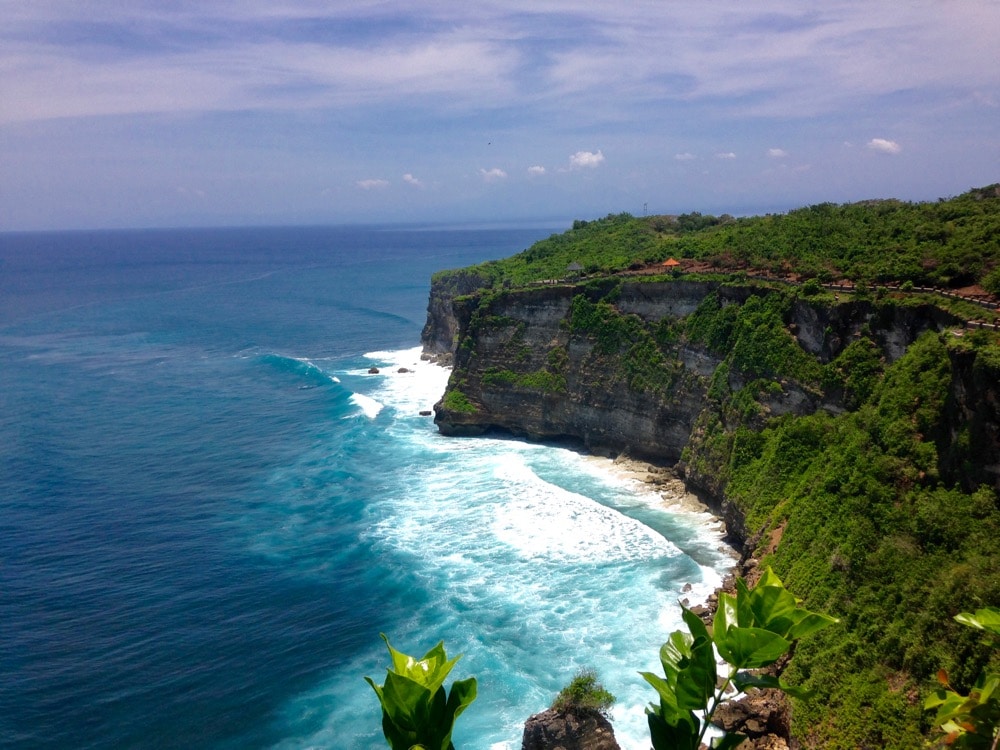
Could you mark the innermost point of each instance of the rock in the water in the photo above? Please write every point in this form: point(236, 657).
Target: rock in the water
point(403, 369)
point(373, 371)
point(425, 412)
point(570, 730)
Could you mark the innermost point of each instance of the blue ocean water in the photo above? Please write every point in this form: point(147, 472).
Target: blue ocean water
point(209, 509)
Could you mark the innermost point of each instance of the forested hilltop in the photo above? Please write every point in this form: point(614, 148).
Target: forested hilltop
point(950, 243)
point(800, 372)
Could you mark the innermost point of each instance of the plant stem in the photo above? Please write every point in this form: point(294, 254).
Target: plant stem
point(717, 699)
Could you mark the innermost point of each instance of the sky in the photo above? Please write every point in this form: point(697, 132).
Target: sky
point(161, 113)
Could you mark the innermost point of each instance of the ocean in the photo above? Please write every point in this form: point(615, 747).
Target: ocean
point(210, 510)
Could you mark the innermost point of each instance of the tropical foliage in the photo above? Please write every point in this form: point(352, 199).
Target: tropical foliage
point(417, 713)
point(867, 520)
point(971, 721)
point(751, 631)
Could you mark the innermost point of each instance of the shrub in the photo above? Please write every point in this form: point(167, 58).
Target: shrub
point(455, 400)
point(584, 693)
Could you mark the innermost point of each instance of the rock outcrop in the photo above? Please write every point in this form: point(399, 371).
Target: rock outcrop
point(762, 717)
point(568, 730)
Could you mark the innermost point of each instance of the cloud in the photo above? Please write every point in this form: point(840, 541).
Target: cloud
point(409, 179)
point(685, 157)
point(493, 175)
point(725, 155)
point(372, 184)
point(777, 153)
point(885, 146)
point(536, 170)
point(586, 159)
point(66, 58)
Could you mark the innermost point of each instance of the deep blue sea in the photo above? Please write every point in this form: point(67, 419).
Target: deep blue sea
point(209, 510)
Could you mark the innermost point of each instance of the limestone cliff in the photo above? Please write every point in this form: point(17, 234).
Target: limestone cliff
point(624, 365)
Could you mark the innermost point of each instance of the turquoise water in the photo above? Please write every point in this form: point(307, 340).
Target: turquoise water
point(210, 510)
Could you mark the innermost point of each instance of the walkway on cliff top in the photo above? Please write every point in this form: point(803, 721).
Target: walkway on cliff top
point(973, 294)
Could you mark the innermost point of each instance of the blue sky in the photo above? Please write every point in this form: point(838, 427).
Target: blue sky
point(138, 113)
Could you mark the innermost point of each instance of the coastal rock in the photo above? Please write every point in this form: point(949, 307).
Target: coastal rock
point(762, 715)
point(373, 371)
point(570, 730)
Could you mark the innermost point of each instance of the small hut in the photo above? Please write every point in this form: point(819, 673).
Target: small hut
point(671, 263)
point(574, 269)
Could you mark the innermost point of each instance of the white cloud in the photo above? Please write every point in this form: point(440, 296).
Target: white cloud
point(493, 175)
point(582, 159)
point(885, 146)
point(725, 155)
point(536, 170)
point(685, 157)
point(374, 184)
point(409, 179)
point(777, 153)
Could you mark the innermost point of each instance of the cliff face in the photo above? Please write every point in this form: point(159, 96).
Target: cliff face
point(526, 362)
point(440, 334)
point(529, 374)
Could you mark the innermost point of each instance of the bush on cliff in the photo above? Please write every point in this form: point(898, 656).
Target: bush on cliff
point(584, 693)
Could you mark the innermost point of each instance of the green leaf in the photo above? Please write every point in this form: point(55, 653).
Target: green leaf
point(681, 733)
point(415, 710)
point(430, 671)
point(987, 619)
point(673, 653)
point(752, 648)
point(725, 618)
point(812, 622)
point(688, 665)
point(403, 698)
point(728, 741)
point(461, 696)
point(666, 691)
point(744, 612)
point(695, 624)
point(773, 606)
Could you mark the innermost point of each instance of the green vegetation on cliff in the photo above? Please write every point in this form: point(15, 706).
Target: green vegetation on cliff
point(948, 243)
point(628, 345)
point(865, 524)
